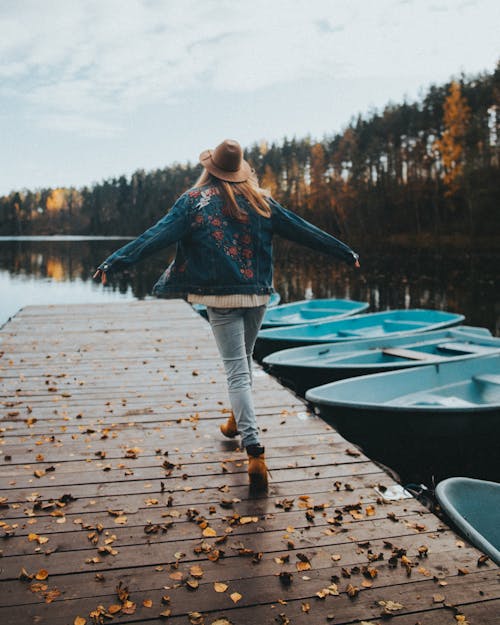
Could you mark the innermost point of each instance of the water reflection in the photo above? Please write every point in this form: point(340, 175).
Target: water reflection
point(457, 281)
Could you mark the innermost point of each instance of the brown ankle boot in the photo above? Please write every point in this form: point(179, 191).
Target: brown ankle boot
point(257, 469)
point(229, 429)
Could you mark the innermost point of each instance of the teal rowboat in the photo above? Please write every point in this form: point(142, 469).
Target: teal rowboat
point(306, 311)
point(302, 368)
point(473, 506)
point(371, 325)
point(445, 414)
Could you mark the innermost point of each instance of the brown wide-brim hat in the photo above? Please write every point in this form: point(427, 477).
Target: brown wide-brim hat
point(226, 162)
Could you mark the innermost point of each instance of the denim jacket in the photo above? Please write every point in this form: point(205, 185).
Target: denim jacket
point(219, 255)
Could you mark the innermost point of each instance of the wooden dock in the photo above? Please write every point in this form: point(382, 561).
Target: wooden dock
point(121, 502)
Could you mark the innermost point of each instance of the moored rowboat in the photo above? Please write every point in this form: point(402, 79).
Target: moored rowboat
point(387, 323)
point(474, 508)
point(302, 368)
point(307, 311)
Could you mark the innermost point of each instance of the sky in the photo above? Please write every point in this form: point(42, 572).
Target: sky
point(92, 89)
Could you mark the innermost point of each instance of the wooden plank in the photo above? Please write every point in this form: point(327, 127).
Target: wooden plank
point(126, 371)
point(409, 354)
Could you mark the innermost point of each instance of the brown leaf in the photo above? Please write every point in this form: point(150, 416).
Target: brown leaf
point(165, 614)
point(305, 606)
point(220, 587)
point(352, 591)
point(303, 566)
point(192, 584)
point(115, 608)
point(147, 603)
point(42, 574)
point(208, 532)
point(177, 576)
point(79, 620)
point(391, 606)
point(438, 598)
point(235, 597)
point(196, 571)
point(285, 578)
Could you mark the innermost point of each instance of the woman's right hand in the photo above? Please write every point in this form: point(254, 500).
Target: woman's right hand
point(100, 274)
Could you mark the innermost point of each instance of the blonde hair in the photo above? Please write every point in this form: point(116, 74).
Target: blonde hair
point(250, 190)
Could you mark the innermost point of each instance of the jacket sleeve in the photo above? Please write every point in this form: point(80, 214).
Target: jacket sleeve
point(171, 228)
point(292, 227)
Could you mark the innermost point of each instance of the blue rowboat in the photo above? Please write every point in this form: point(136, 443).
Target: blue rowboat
point(446, 414)
point(371, 325)
point(306, 311)
point(473, 506)
point(274, 300)
point(302, 368)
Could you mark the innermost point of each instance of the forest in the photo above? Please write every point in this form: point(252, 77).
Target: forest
point(421, 172)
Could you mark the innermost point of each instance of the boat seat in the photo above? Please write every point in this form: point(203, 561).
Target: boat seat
point(487, 378)
point(440, 400)
point(410, 354)
point(462, 348)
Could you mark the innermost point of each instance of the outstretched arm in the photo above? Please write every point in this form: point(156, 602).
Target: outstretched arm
point(292, 227)
point(169, 229)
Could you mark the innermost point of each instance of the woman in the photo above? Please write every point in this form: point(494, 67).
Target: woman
point(223, 228)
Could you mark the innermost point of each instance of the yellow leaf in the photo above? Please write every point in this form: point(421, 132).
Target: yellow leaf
point(79, 620)
point(42, 574)
point(303, 566)
point(121, 520)
point(220, 587)
point(235, 597)
point(208, 531)
point(248, 519)
point(147, 603)
point(196, 571)
point(113, 609)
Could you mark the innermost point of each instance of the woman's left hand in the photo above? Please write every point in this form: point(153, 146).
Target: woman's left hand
point(102, 275)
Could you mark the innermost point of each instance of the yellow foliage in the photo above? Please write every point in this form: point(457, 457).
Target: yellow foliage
point(451, 144)
point(56, 201)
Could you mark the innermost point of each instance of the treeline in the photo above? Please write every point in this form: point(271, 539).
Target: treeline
point(422, 170)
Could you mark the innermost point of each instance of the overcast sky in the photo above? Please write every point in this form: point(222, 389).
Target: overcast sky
point(91, 89)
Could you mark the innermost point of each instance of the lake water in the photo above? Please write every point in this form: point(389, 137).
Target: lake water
point(55, 270)
point(52, 270)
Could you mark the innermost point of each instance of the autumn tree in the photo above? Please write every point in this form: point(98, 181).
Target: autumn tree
point(451, 144)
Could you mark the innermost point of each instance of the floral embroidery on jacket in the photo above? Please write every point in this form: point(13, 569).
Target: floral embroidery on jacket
point(223, 231)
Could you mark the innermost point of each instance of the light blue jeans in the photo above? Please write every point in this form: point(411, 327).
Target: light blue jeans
point(235, 331)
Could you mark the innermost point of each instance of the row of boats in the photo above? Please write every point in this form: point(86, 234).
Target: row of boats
point(401, 376)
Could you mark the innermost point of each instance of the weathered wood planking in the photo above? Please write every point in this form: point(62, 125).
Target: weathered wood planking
point(114, 473)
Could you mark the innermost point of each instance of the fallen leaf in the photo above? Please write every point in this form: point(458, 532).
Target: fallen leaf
point(192, 584)
point(336, 557)
point(235, 597)
point(391, 606)
point(79, 620)
point(208, 531)
point(42, 574)
point(165, 613)
point(147, 603)
point(196, 571)
point(303, 566)
point(115, 608)
point(220, 587)
point(438, 598)
point(177, 576)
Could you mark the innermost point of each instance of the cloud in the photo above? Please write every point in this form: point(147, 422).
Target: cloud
point(84, 65)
